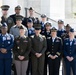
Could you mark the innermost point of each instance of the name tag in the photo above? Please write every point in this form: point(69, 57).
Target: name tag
point(25, 41)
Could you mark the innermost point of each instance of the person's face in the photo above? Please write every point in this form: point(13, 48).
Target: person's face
point(43, 19)
point(53, 33)
point(22, 32)
point(48, 27)
point(31, 12)
point(18, 22)
point(37, 32)
point(4, 30)
point(60, 26)
point(4, 12)
point(17, 11)
point(29, 25)
point(67, 29)
point(71, 34)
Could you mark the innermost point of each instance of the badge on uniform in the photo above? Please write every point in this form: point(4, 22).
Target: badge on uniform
point(18, 41)
point(8, 42)
point(25, 41)
point(18, 47)
point(8, 38)
point(57, 40)
point(67, 43)
point(48, 37)
point(4, 38)
point(41, 39)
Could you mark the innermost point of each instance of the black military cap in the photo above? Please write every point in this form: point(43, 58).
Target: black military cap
point(30, 20)
point(4, 25)
point(30, 8)
point(37, 26)
point(19, 17)
point(68, 26)
point(72, 30)
point(21, 27)
point(60, 22)
point(43, 16)
point(5, 7)
point(53, 29)
point(18, 8)
point(48, 24)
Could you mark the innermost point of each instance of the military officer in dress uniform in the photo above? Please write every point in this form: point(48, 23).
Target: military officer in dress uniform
point(60, 28)
point(54, 52)
point(15, 29)
point(6, 45)
point(22, 48)
point(43, 21)
point(5, 17)
point(70, 53)
point(31, 16)
point(66, 34)
point(38, 51)
point(47, 33)
point(17, 12)
point(31, 30)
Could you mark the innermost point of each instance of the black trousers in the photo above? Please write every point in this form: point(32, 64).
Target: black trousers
point(37, 65)
point(29, 70)
point(45, 65)
point(14, 69)
point(54, 66)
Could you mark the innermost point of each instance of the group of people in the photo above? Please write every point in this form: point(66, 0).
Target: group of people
point(29, 46)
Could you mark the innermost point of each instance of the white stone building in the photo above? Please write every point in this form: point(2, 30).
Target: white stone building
point(55, 9)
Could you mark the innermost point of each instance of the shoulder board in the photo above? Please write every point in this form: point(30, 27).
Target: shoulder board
point(58, 38)
point(14, 26)
point(32, 36)
point(25, 36)
point(43, 36)
point(66, 38)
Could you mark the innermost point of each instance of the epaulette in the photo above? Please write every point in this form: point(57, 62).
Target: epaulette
point(43, 36)
point(32, 36)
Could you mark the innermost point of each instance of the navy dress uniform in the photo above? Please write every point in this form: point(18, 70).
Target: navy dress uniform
point(31, 31)
point(38, 46)
point(70, 50)
point(6, 42)
point(43, 23)
point(8, 20)
point(54, 48)
point(47, 34)
point(60, 32)
point(34, 19)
